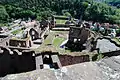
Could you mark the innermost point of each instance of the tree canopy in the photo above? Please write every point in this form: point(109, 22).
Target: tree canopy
point(42, 9)
point(3, 14)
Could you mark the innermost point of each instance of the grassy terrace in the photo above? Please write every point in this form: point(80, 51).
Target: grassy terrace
point(60, 21)
point(49, 39)
point(116, 40)
point(57, 41)
point(3, 24)
point(14, 38)
point(47, 44)
point(16, 31)
point(60, 16)
point(53, 43)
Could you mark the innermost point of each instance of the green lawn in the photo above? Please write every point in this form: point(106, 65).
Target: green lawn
point(16, 31)
point(58, 41)
point(58, 21)
point(60, 16)
point(55, 41)
point(3, 24)
point(49, 39)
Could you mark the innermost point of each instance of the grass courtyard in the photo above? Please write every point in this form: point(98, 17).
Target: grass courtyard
point(57, 41)
point(53, 42)
point(16, 31)
point(60, 21)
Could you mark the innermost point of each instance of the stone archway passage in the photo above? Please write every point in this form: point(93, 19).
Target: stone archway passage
point(47, 59)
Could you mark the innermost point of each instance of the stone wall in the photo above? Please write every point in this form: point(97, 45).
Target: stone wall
point(20, 43)
point(70, 60)
point(34, 34)
point(4, 40)
point(113, 53)
point(81, 34)
point(14, 63)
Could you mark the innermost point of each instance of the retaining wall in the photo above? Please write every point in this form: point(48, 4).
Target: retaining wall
point(14, 63)
point(70, 60)
point(110, 54)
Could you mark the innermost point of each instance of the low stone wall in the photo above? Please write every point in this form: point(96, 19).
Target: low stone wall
point(20, 43)
point(14, 63)
point(4, 40)
point(60, 29)
point(69, 60)
point(113, 53)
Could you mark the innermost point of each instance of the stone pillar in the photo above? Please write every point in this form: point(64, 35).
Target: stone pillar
point(39, 62)
point(56, 61)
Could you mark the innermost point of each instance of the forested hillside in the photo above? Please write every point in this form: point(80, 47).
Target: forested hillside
point(115, 3)
point(111, 2)
point(42, 9)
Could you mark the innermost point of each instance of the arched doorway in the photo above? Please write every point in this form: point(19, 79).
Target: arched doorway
point(47, 60)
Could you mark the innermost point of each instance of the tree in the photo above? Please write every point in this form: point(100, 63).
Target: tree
point(3, 14)
point(41, 9)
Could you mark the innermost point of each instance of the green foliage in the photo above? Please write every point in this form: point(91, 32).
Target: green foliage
point(42, 9)
point(3, 14)
point(16, 31)
point(59, 21)
point(102, 13)
point(97, 57)
point(100, 56)
point(67, 14)
point(113, 3)
point(57, 42)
